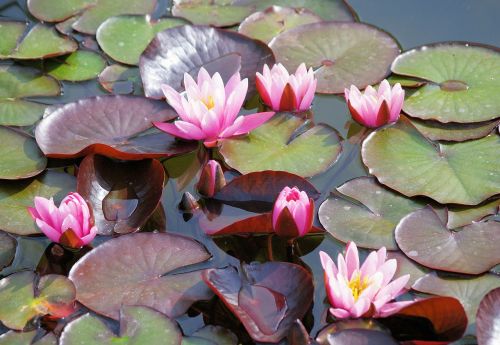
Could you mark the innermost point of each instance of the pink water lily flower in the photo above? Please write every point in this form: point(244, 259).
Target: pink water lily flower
point(208, 110)
point(355, 291)
point(375, 108)
point(70, 224)
point(282, 91)
point(293, 213)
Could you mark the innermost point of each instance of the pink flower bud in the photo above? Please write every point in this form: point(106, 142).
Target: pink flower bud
point(211, 179)
point(293, 213)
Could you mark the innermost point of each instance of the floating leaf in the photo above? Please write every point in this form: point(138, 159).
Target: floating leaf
point(462, 86)
point(267, 300)
point(16, 197)
point(20, 156)
point(488, 316)
point(359, 337)
point(125, 38)
point(20, 301)
point(463, 173)
point(285, 143)
point(120, 79)
point(275, 20)
point(18, 82)
point(424, 237)
point(366, 213)
point(8, 246)
point(81, 65)
point(341, 54)
point(459, 216)
point(89, 126)
point(26, 338)
point(211, 335)
point(135, 270)
point(56, 11)
point(122, 194)
point(41, 41)
point(138, 325)
point(187, 48)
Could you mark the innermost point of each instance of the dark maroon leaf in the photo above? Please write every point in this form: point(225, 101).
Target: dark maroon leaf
point(136, 269)
point(185, 49)
point(259, 190)
point(359, 337)
point(122, 194)
point(114, 126)
point(488, 317)
point(265, 297)
point(298, 334)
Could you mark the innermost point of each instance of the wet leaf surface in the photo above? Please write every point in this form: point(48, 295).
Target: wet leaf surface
point(78, 66)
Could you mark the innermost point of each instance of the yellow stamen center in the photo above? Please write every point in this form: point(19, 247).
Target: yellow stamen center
point(209, 102)
point(357, 285)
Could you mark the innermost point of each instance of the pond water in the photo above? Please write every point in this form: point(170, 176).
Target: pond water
point(411, 23)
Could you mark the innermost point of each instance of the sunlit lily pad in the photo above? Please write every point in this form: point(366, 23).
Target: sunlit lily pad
point(138, 325)
point(16, 196)
point(8, 246)
point(488, 319)
point(275, 20)
point(16, 83)
point(459, 216)
point(463, 82)
point(135, 270)
point(473, 249)
point(20, 156)
point(125, 38)
point(21, 300)
point(81, 65)
point(119, 79)
point(40, 41)
point(26, 338)
point(463, 173)
point(122, 194)
point(469, 291)
point(114, 126)
point(366, 213)
point(285, 143)
point(264, 297)
point(340, 53)
point(56, 11)
point(187, 48)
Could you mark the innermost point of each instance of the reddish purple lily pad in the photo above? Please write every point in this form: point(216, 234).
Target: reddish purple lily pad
point(122, 194)
point(265, 297)
point(135, 269)
point(424, 238)
point(114, 126)
point(488, 319)
point(185, 49)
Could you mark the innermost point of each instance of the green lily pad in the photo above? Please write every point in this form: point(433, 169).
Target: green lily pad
point(341, 53)
point(284, 143)
point(408, 82)
point(124, 38)
point(8, 246)
point(21, 301)
point(459, 216)
point(463, 82)
point(40, 41)
point(20, 156)
point(454, 131)
point(79, 66)
point(469, 291)
point(275, 20)
point(119, 79)
point(16, 196)
point(138, 325)
point(211, 335)
point(366, 213)
point(463, 173)
point(56, 11)
point(17, 83)
point(26, 338)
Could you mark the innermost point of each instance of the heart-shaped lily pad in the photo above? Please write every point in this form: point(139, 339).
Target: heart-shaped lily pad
point(16, 197)
point(40, 41)
point(135, 270)
point(424, 237)
point(275, 20)
point(26, 338)
point(125, 38)
point(81, 65)
point(454, 131)
point(187, 48)
point(21, 301)
point(459, 216)
point(469, 291)
point(488, 318)
point(20, 156)
point(138, 325)
point(267, 301)
point(366, 213)
point(16, 83)
point(122, 194)
point(341, 53)
point(462, 83)
point(114, 126)
point(463, 173)
point(119, 79)
point(8, 246)
point(285, 143)
point(54, 11)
